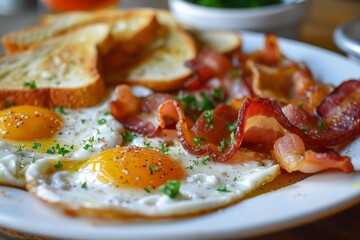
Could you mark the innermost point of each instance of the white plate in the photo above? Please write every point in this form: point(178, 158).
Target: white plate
point(308, 200)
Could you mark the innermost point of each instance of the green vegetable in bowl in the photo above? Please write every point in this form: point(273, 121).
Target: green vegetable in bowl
point(234, 3)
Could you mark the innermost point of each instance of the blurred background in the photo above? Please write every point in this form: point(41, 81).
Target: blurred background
point(320, 21)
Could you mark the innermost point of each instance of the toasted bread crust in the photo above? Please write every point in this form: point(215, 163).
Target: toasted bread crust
point(13, 41)
point(54, 97)
point(89, 93)
point(162, 85)
point(127, 49)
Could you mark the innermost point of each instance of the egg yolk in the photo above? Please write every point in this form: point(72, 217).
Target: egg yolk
point(28, 123)
point(134, 167)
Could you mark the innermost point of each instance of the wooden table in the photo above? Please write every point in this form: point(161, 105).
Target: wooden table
point(324, 16)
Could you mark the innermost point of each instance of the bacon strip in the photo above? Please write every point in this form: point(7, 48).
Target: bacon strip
point(341, 109)
point(289, 152)
point(208, 65)
point(172, 111)
point(251, 107)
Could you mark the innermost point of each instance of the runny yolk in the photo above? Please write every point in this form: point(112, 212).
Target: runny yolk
point(133, 167)
point(28, 123)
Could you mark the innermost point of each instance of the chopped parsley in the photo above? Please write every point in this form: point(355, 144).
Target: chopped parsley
point(101, 121)
point(301, 104)
point(223, 144)
point(30, 84)
point(235, 179)
point(87, 146)
point(205, 160)
point(231, 127)
point(222, 188)
point(59, 165)
point(84, 186)
point(61, 150)
point(62, 110)
point(129, 136)
point(147, 190)
point(83, 121)
point(217, 93)
point(282, 102)
point(191, 167)
point(9, 104)
point(187, 100)
point(163, 148)
point(147, 144)
point(322, 125)
point(106, 113)
point(153, 169)
point(304, 129)
point(170, 188)
point(51, 150)
point(232, 137)
point(208, 115)
point(33, 160)
point(20, 148)
point(205, 103)
point(197, 141)
point(233, 73)
point(36, 145)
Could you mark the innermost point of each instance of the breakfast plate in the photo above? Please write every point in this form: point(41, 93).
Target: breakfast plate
point(312, 198)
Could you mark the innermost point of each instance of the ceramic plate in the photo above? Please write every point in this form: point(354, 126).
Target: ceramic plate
point(304, 201)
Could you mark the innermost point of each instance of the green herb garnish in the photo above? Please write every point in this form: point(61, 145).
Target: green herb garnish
point(208, 115)
point(36, 145)
point(322, 125)
point(102, 121)
point(129, 136)
point(59, 165)
point(222, 188)
point(223, 144)
point(62, 110)
point(163, 148)
point(9, 104)
point(170, 188)
point(51, 150)
point(30, 84)
point(217, 93)
point(198, 140)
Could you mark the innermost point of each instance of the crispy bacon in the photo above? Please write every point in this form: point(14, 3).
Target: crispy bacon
point(208, 65)
point(341, 108)
point(251, 107)
point(270, 55)
point(299, 117)
point(289, 152)
point(135, 113)
point(215, 133)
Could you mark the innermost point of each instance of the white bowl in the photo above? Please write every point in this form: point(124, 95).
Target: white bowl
point(347, 38)
point(281, 19)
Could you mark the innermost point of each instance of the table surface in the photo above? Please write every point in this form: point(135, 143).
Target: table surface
point(323, 17)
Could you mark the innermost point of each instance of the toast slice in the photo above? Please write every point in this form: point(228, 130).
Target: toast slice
point(162, 66)
point(61, 71)
point(128, 29)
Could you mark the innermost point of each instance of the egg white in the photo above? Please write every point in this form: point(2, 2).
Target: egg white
point(200, 191)
point(81, 135)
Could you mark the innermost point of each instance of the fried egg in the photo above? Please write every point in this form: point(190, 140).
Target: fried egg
point(151, 178)
point(30, 133)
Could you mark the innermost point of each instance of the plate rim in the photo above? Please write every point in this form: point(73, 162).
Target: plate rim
point(276, 226)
